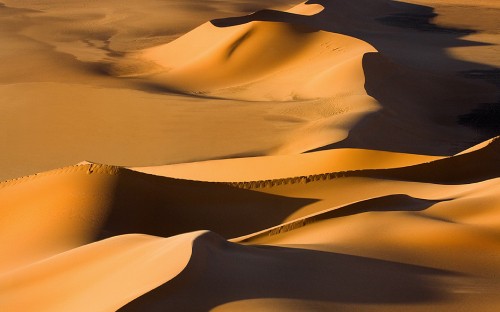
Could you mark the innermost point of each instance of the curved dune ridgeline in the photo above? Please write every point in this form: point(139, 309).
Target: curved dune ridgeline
point(326, 155)
point(483, 163)
point(145, 260)
point(96, 201)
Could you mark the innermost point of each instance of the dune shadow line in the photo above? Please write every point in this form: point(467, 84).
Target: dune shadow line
point(389, 203)
point(165, 207)
point(389, 25)
point(220, 272)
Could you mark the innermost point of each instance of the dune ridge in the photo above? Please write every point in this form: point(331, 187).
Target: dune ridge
point(129, 261)
point(89, 168)
point(373, 204)
point(283, 166)
point(117, 193)
point(273, 74)
point(486, 152)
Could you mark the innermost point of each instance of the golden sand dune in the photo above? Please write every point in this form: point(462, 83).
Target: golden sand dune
point(98, 201)
point(100, 277)
point(263, 73)
point(299, 279)
point(73, 206)
point(276, 167)
point(249, 156)
point(337, 90)
point(67, 208)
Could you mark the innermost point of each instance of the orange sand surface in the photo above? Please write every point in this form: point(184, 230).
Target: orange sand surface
point(327, 155)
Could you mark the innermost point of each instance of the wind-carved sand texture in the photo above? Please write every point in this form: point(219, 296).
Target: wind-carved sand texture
point(250, 156)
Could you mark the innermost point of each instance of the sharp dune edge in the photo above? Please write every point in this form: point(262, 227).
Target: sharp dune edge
point(247, 156)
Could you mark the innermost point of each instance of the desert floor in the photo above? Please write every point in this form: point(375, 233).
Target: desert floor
point(328, 155)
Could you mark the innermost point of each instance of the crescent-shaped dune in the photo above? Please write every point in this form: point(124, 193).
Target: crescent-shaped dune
point(249, 156)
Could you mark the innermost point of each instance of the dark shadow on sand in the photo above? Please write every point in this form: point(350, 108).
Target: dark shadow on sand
point(220, 272)
point(165, 207)
point(398, 30)
point(396, 202)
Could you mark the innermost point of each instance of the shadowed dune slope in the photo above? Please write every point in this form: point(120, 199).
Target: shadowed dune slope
point(66, 208)
point(298, 279)
point(204, 263)
point(338, 261)
point(272, 272)
point(458, 218)
point(454, 176)
point(101, 201)
point(396, 202)
point(335, 48)
point(237, 62)
point(474, 166)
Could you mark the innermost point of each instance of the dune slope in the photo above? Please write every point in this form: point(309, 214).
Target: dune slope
point(328, 219)
point(100, 277)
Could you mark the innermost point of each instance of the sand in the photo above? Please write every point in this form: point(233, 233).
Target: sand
point(249, 156)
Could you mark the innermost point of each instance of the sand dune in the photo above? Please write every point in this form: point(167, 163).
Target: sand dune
point(275, 275)
point(249, 156)
point(112, 201)
point(263, 74)
point(124, 266)
point(275, 167)
point(420, 227)
point(477, 163)
point(349, 90)
point(98, 201)
point(76, 205)
point(313, 215)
